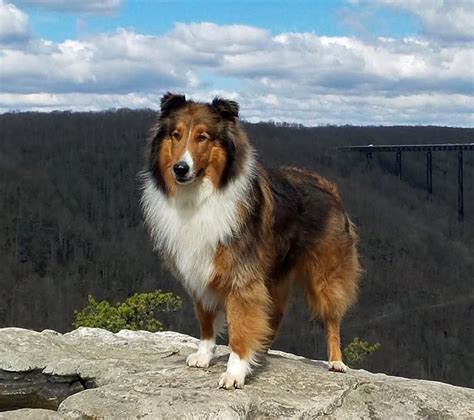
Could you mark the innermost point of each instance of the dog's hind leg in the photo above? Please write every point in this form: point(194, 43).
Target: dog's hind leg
point(211, 323)
point(330, 277)
point(328, 303)
point(333, 340)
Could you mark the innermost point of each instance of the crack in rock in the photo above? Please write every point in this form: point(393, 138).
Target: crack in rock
point(340, 401)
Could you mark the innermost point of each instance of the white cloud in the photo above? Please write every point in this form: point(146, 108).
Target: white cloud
point(82, 6)
point(449, 20)
point(123, 61)
point(433, 109)
point(307, 62)
point(297, 77)
point(213, 38)
point(76, 101)
point(14, 25)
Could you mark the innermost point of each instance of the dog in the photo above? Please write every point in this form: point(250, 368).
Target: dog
point(238, 236)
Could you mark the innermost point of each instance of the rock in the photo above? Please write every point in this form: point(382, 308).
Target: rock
point(31, 414)
point(92, 373)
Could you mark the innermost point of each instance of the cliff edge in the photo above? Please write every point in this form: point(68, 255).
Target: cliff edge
point(92, 373)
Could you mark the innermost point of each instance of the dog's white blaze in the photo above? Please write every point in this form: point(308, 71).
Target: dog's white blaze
point(191, 224)
point(189, 160)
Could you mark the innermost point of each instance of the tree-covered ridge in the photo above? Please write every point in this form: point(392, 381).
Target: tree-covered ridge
point(71, 227)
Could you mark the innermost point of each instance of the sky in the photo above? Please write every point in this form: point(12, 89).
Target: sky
point(360, 62)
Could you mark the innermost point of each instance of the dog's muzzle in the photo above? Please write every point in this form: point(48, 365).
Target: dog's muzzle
point(182, 172)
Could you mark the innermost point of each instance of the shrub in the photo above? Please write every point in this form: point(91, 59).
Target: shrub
point(137, 312)
point(358, 350)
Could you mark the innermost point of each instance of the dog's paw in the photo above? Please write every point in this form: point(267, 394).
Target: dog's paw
point(230, 381)
point(199, 359)
point(337, 366)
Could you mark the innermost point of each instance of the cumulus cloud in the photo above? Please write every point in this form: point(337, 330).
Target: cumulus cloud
point(120, 62)
point(448, 20)
point(295, 77)
point(431, 109)
point(229, 39)
point(125, 61)
point(14, 25)
point(82, 6)
point(351, 65)
point(374, 109)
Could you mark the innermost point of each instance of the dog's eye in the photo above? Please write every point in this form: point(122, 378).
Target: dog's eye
point(175, 135)
point(203, 136)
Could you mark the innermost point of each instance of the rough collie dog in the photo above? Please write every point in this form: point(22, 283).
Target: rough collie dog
point(238, 235)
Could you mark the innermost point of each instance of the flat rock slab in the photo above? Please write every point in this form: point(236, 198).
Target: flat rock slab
point(92, 373)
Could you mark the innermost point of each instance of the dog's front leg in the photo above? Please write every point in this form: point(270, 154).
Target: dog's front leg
point(211, 323)
point(249, 330)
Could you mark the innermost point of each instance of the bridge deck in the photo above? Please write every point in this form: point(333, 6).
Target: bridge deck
point(409, 147)
point(399, 148)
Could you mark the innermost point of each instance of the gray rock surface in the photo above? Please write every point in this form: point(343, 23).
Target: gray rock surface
point(92, 373)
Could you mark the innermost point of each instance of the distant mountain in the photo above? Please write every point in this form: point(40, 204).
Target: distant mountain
point(71, 226)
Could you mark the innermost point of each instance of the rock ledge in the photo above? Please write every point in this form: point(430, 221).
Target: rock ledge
point(92, 373)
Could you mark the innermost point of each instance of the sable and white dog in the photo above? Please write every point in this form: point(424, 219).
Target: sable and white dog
point(238, 235)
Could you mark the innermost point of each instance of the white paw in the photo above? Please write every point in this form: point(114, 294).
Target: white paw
point(230, 381)
point(237, 370)
point(337, 366)
point(199, 359)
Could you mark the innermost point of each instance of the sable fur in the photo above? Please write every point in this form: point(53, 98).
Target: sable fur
point(269, 229)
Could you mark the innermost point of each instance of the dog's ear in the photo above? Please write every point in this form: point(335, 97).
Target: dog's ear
point(226, 108)
point(170, 101)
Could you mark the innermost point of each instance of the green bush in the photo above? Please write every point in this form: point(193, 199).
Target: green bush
point(137, 312)
point(358, 350)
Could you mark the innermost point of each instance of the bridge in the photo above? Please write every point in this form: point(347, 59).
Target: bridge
point(428, 148)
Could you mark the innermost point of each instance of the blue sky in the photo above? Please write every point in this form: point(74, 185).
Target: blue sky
point(157, 17)
point(314, 62)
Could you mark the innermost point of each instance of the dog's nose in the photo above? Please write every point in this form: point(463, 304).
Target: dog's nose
point(181, 169)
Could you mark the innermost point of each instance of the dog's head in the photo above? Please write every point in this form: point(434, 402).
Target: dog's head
point(195, 140)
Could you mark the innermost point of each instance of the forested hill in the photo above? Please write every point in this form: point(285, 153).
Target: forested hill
point(70, 226)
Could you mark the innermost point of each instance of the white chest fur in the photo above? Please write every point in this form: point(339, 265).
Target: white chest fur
point(192, 224)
